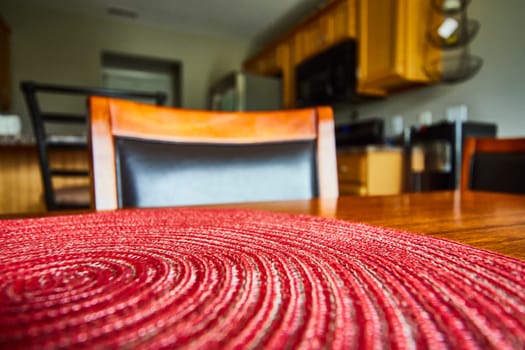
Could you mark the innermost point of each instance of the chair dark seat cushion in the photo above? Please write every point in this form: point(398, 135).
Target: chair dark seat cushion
point(166, 174)
point(499, 172)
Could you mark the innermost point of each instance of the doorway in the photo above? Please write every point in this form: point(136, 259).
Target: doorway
point(128, 72)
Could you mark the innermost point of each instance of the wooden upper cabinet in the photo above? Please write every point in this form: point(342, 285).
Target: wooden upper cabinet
point(271, 61)
point(5, 81)
point(344, 17)
point(393, 45)
point(332, 24)
point(313, 38)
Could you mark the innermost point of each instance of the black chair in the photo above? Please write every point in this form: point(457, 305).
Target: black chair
point(68, 197)
point(491, 164)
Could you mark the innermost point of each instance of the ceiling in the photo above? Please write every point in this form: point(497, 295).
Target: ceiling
point(246, 19)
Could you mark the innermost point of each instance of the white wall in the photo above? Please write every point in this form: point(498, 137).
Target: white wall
point(495, 94)
point(64, 48)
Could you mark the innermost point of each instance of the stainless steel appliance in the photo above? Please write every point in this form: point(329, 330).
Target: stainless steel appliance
point(239, 91)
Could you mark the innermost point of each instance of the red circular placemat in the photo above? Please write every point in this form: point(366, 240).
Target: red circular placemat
point(197, 278)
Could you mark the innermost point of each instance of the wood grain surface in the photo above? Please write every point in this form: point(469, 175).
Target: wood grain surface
point(21, 189)
point(20, 180)
point(183, 125)
point(491, 221)
point(485, 220)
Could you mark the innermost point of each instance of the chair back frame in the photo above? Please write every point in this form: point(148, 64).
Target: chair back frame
point(112, 117)
point(40, 118)
point(486, 145)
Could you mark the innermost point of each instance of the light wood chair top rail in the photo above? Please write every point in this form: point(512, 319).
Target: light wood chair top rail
point(182, 125)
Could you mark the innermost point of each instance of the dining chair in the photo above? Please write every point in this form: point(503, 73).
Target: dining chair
point(491, 164)
point(74, 192)
point(149, 156)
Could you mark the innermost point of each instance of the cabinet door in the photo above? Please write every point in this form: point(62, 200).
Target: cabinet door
point(333, 24)
point(276, 60)
point(393, 45)
point(343, 15)
point(302, 48)
point(352, 173)
point(271, 61)
point(20, 180)
point(320, 34)
point(287, 72)
point(384, 172)
point(351, 167)
point(370, 172)
point(5, 81)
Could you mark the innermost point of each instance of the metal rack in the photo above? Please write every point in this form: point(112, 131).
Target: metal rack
point(452, 35)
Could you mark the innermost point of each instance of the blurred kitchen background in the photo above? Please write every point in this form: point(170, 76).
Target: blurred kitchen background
point(446, 70)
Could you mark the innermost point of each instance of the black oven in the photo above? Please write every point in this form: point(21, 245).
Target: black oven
point(329, 77)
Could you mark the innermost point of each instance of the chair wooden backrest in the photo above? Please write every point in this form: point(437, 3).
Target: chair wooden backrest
point(491, 164)
point(208, 156)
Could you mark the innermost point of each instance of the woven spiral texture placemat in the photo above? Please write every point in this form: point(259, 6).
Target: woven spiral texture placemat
point(205, 279)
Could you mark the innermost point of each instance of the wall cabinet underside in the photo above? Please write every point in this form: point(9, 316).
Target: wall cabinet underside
point(391, 38)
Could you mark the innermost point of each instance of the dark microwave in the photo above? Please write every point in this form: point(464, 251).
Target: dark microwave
point(329, 77)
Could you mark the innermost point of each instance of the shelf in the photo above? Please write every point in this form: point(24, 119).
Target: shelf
point(69, 172)
point(64, 118)
point(67, 141)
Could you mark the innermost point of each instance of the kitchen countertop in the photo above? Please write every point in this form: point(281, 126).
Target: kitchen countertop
point(369, 148)
point(17, 140)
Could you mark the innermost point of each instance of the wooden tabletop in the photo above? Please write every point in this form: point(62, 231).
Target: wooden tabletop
point(485, 220)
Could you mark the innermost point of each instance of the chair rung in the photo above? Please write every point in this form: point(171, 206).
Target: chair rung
point(67, 144)
point(71, 206)
point(63, 118)
point(67, 172)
